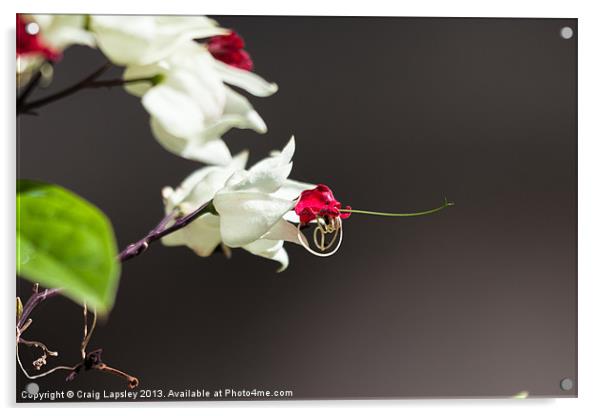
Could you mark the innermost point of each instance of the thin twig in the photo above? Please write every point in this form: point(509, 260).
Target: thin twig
point(118, 82)
point(26, 107)
point(87, 333)
point(38, 344)
point(31, 86)
point(90, 361)
point(44, 374)
point(93, 361)
point(40, 361)
point(24, 326)
point(82, 347)
point(132, 381)
point(34, 301)
point(87, 83)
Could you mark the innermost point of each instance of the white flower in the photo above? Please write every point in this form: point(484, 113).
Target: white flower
point(191, 107)
point(252, 206)
point(60, 31)
point(57, 32)
point(143, 40)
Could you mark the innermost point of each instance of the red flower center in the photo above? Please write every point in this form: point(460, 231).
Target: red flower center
point(229, 49)
point(319, 202)
point(32, 44)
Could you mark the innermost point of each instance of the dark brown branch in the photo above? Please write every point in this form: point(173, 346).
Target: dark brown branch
point(161, 230)
point(31, 86)
point(24, 107)
point(88, 82)
point(93, 361)
point(132, 381)
point(108, 83)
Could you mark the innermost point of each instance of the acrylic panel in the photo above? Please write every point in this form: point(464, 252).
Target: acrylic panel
point(474, 119)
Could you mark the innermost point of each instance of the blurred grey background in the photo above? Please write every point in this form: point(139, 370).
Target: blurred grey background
point(393, 114)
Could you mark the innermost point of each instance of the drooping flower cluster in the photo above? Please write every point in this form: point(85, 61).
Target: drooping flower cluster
point(180, 66)
point(253, 207)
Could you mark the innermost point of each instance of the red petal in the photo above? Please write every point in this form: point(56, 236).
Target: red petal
point(28, 44)
point(229, 49)
point(319, 201)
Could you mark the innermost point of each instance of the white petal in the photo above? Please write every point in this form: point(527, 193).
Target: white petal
point(222, 125)
point(247, 80)
point(193, 27)
point(277, 158)
point(146, 39)
point(174, 110)
point(141, 71)
point(237, 113)
point(170, 142)
point(292, 189)
point(177, 238)
point(289, 150)
point(43, 20)
point(238, 105)
point(272, 250)
point(124, 39)
point(237, 163)
point(204, 190)
point(283, 230)
point(27, 64)
point(240, 160)
point(202, 235)
point(200, 186)
point(196, 148)
point(291, 216)
point(191, 73)
point(73, 36)
point(246, 216)
point(62, 30)
point(181, 194)
point(266, 176)
point(214, 152)
point(264, 181)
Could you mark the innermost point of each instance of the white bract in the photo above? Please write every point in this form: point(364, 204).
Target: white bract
point(60, 31)
point(143, 40)
point(190, 105)
point(253, 207)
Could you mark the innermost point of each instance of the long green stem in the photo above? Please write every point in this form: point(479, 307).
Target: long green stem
point(392, 214)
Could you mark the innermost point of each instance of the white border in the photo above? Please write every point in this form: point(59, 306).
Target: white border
point(590, 195)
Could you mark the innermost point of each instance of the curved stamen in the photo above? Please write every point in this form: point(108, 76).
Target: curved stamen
point(324, 228)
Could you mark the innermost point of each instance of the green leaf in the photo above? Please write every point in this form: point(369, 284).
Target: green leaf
point(64, 241)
